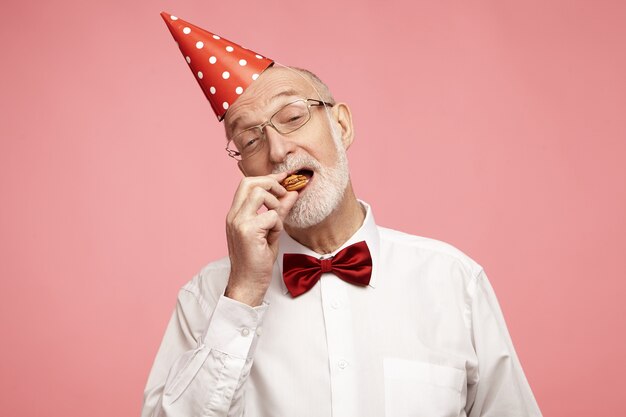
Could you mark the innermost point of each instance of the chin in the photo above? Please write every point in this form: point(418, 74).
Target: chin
point(315, 204)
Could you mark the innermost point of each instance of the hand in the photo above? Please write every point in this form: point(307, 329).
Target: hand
point(253, 237)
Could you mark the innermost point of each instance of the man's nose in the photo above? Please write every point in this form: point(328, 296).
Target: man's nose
point(279, 145)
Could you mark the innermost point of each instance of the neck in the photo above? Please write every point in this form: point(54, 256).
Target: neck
point(335, 229)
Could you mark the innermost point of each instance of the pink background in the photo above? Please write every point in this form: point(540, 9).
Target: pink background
point(496, 126)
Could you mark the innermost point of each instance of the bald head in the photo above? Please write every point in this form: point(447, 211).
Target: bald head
point(318, 84)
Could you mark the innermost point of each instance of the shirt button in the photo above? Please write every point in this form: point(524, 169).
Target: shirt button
point(342, 364)
point(258, 331)
point(335, 304)
point(245, 332)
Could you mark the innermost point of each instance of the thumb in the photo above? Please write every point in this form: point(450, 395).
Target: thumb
point(286, 203)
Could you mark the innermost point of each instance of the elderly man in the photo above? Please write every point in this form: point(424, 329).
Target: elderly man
point(318, 311)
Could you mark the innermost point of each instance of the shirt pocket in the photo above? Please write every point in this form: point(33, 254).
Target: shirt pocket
point(422, 389)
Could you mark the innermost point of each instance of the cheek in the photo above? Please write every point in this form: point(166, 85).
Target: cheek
point(255, 169)
point(326, 154)
point(322, 147)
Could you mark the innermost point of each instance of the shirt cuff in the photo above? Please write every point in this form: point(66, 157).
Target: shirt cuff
point(235, 327)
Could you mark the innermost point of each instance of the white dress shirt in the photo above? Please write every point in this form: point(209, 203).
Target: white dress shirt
point(425, 338)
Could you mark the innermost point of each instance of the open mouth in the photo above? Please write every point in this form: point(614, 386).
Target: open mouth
point(306, 172)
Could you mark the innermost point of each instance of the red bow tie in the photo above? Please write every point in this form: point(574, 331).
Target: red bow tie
point(352, 264)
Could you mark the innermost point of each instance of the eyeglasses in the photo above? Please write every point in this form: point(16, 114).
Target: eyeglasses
point(288, 119)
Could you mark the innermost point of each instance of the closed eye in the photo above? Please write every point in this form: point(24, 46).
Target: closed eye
point(251, 142)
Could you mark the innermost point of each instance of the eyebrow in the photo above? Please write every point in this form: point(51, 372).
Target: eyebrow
point(290, 92)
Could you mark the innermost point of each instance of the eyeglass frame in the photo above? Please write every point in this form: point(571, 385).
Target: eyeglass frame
point(315, 103)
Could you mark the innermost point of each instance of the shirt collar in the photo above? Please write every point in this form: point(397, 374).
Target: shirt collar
point(368, 232)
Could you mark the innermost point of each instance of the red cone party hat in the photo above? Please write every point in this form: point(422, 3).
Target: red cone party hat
point(222, 68)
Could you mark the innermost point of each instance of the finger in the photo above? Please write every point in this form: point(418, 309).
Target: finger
point(257, 199)
point(268, 183)
point(274, 234)
point(286, 203)
point(268, 222)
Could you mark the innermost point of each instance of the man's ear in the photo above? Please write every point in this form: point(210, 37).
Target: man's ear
point(343, 116)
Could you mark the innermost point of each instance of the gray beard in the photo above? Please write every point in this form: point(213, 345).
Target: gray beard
point(319, 199)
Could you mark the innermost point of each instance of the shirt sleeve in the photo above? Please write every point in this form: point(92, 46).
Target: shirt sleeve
point(501, 388)
point(203, 363)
